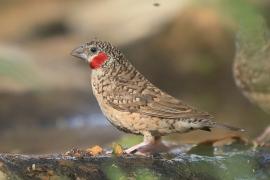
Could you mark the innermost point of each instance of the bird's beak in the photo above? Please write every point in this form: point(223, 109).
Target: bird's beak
point(79, 53)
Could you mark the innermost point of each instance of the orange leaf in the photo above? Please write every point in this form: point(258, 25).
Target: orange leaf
point(117, 149)
point(95, 150)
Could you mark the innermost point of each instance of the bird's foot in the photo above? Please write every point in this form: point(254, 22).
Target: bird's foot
point(264, 138)
point(146, 148)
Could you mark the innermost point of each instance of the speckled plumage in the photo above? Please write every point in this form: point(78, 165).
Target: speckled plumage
point(132, 103)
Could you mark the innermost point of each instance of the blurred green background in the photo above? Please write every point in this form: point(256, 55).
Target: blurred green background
point(185, 48)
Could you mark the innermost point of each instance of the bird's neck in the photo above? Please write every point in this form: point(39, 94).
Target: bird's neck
point(118, 71)
point(111, 70)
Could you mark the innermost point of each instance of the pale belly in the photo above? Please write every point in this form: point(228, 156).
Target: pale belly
point(125, 121)
point(136, 123)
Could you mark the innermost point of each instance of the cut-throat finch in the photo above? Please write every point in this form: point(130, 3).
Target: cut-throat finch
point(133, 104)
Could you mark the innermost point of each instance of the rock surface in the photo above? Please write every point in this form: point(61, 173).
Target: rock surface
point(246, 164)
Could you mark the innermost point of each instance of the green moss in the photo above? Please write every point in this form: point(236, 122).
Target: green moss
point(252, 28)
point(114, 172)
point(239, 167)
point(145, 174)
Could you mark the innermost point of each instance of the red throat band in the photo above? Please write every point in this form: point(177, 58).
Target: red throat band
point(98, 60)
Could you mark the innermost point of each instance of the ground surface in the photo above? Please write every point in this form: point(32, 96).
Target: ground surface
point(236, 161)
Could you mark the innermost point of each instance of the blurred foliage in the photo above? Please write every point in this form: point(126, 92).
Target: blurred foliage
point(252, 29)
point(20, 71)
point(250, 26)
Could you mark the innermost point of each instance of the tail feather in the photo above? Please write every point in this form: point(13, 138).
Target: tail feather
point(225, 126)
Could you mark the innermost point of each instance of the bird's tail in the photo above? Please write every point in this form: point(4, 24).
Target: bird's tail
point(225, 126)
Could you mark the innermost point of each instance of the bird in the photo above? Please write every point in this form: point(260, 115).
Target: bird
point(133, 104)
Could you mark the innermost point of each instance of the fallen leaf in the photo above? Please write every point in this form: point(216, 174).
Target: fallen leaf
point(117, 149)
point(74, 153)
point(95, 150)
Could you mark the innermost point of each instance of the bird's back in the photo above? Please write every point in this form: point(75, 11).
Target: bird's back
point(126, 90)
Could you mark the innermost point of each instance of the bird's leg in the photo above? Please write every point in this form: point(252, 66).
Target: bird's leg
point(135, 148)
point(264, 138)
point(151, 144)
point(148, 138)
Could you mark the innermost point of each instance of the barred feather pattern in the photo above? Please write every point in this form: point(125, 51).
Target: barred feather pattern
point(135, 105)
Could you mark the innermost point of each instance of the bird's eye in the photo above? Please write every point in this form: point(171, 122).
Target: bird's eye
point(93, 49)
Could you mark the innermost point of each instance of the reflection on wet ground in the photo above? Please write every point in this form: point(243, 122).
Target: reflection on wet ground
point(78, 131)
point(54, 122)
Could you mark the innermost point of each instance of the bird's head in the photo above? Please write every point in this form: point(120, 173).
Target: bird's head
point(98, 54)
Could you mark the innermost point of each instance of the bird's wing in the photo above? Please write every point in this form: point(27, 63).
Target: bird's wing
point(143, 97)
point(166, 106)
